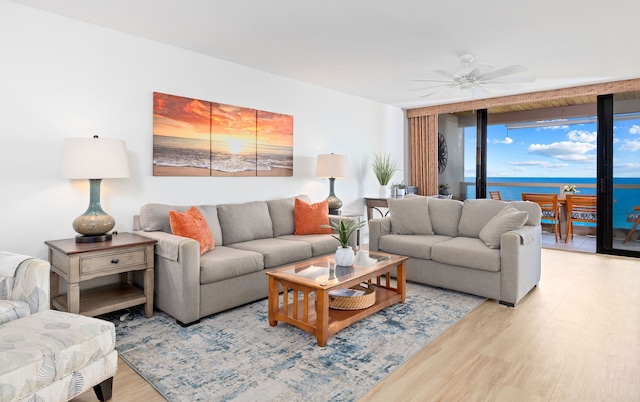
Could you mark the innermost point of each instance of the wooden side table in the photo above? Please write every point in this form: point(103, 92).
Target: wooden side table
point(78, 262)
point(375, 203)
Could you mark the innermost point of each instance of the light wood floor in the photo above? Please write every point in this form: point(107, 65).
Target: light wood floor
point(576, 337)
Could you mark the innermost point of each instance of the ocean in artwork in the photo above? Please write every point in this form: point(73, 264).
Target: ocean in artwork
point(624, 199)
point(196, 153)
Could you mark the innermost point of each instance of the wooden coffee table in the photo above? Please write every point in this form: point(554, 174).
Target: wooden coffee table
point(305, 300)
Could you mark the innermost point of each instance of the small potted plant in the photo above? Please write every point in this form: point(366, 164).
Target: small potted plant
point(384, 169)
point(400, 188)
point(443, 189)
point(344, 229)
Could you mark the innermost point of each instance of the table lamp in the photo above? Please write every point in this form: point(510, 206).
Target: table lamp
point(333, 167)
point(94, 159)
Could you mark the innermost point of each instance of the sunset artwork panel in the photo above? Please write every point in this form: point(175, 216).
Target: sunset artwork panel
point(275, 144)
point(192, 137)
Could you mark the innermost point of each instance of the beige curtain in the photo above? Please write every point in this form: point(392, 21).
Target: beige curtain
point(423, 134)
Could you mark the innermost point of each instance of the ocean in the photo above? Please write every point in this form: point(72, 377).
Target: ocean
point(624, 199)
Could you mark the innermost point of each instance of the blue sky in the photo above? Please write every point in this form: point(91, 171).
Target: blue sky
point(567, 150)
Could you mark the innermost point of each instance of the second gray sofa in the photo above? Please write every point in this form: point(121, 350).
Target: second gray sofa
point(453, 245)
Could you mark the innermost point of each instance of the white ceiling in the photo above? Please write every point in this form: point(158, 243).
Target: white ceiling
point(374, 48)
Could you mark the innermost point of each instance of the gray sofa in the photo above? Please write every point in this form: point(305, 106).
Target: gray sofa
point(445, 240)
point(250, 239)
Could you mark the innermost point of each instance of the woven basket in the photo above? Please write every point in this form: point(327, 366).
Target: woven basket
point(354, 302)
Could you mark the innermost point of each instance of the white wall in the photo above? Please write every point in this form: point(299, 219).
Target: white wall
point(62, 78)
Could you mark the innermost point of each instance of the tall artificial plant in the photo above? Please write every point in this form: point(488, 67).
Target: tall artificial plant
point(384, 168)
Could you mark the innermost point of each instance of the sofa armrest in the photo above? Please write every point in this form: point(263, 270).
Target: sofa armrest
point(521, 262)
point(377, 228)
point(177, 275)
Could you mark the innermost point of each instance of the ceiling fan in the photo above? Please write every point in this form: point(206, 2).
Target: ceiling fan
point(475, 79)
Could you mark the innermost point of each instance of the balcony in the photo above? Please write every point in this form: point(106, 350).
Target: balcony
point(626, 196)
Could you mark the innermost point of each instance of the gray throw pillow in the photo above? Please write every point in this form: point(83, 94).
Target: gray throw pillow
point(410, 216)
point(506, 220)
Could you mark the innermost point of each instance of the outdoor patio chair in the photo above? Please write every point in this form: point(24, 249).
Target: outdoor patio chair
point(550, 210)
point(635, 218)
point(580, 208)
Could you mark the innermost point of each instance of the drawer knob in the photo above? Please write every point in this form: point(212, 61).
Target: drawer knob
point(115, 261)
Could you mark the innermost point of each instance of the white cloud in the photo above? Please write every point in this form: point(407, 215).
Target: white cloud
point(635, 129)
point(555, 128)
point(627, 166)
point(542, 164)
point(582, 136)
point(507, 141)
point(565, 151)
point(630, 146)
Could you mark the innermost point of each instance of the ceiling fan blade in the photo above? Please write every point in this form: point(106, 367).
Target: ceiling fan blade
point(480, 69)
point(430, 80)
point(501, 72)
point(518, 79)
point(452, 76)
point(432, 87)
point(479, 90)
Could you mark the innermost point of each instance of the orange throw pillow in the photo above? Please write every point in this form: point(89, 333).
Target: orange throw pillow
point(307, 218)
point(193, 225)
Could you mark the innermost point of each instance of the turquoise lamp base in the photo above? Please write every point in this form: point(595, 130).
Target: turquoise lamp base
point(94, 225)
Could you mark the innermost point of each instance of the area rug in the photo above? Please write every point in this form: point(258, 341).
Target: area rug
point(237, 356)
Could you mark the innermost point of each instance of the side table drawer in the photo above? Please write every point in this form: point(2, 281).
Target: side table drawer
point(116, 260)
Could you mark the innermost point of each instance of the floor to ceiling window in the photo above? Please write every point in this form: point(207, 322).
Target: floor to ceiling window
point(624, 176)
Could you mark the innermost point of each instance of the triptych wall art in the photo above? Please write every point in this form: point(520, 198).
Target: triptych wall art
point(192, 137)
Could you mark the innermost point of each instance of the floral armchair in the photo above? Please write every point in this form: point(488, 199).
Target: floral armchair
point(24, 286)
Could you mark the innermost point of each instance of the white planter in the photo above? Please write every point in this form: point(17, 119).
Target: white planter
point(384, 192)
point(345, 256)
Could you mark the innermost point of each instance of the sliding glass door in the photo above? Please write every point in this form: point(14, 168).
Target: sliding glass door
point(619, 174)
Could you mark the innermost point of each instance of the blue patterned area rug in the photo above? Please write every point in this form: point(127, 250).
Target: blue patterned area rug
point(237, 356)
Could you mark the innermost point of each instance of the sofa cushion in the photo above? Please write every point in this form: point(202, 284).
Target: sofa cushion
point(445, 216)
point(506, 220)
point(532, 208)
point(210, 213)
point(467, 252)
point(277, 252)
point(475, 215)
point(226, 262)
point(281, 212)
point(244, 222)
point(193, 225)
point(309, 217)
point(321, 244)
point(415, 246)
point(410, 216)
point(155, 217)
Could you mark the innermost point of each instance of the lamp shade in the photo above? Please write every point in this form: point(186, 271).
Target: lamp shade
point(331, 165)
point(94, 158)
